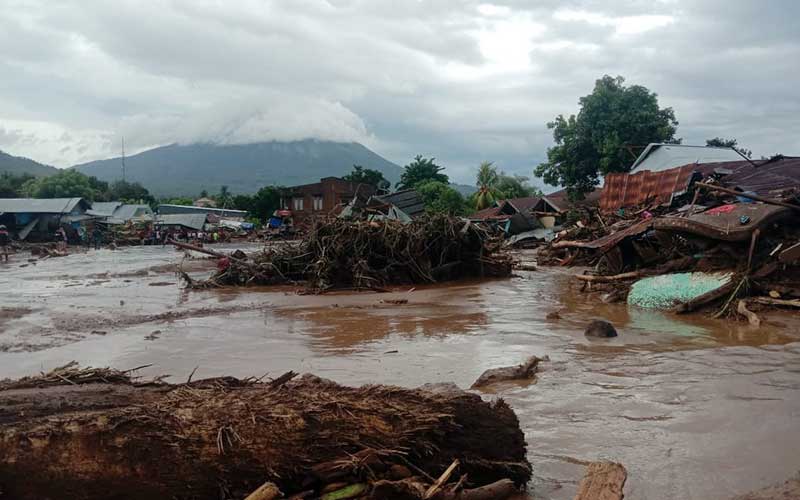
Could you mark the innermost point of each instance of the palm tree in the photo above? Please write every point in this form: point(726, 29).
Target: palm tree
point(486, 182)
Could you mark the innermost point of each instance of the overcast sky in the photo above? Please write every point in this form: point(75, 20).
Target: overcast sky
point(462, 81)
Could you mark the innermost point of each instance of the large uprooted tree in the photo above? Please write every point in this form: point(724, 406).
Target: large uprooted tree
point(595, 142)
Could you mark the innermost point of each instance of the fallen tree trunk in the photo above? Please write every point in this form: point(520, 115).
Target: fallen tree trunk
point(775, 302)
point(223, 438)
point(596, 278)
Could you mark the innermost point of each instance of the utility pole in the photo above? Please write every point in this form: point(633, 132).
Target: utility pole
point(123, 158)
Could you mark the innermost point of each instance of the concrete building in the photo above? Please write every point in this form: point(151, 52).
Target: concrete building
point(326, 197)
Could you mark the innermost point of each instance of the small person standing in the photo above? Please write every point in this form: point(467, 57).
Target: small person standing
point(5, 241)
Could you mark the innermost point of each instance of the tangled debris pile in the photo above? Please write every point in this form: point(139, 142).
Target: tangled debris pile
point(224, 437)
point(714, 244)
point(341, 253)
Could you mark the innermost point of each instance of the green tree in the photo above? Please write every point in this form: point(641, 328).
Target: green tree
point(177, 201)
point(421, 170)
point(487, 185)
point(223, 198)
point(265, 202)
point(11, 184)
point(204, 194)
point(441, 198)
point(515, 186)
point(67, 183)
point(719, 142)
point(129, 192)
point(367, 176)
point(594, 142)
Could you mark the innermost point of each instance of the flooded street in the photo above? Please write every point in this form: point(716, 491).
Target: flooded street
point(694, 408)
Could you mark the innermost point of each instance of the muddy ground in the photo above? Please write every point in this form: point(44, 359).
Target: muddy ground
point(695, 408)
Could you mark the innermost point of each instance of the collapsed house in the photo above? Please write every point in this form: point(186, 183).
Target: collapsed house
point(525, 221)
point(404, 206)
point(689, 236)
point(38, 219)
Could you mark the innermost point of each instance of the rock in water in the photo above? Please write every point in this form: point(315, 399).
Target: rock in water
point(600, 328)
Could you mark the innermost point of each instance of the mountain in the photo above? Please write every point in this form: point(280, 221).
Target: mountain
point(20, 165)
point(186, 170)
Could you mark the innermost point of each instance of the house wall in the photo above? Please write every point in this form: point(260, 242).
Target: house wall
point(331, 194)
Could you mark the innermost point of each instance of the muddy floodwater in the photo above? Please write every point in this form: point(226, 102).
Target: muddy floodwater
point(694, 408)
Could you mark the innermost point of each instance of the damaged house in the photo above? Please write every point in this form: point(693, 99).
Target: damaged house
point(115, 212)
point(37, 219)
point(327, 197)
point(520, 215)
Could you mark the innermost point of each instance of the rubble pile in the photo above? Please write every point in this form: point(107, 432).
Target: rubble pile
point(341, 254)
point(227, 437)
point(713, 245)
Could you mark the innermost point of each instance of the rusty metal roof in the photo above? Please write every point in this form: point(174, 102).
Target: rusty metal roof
point(767, 178)
point(723, 223)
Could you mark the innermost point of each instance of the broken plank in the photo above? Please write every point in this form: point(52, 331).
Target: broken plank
point(603, 481)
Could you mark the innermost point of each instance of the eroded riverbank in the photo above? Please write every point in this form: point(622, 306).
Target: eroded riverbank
point(693, 407)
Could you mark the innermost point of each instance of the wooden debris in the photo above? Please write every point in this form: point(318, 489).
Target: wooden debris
point(267, 491)
point(752, 317)
point(344, 254)
point(523, 371)
point(603, 481)
point(441, 481)
point(266, 435)
point(775, 302)
point(791, 254)
point(594, 278)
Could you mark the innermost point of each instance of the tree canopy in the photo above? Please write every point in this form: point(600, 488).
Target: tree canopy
point(128, 192)
point(367, 176)
point(11, 184)
point(262, 204)
point(421, 170)
point(595, 141)
point(486, 181)
point(439, 197)
point(515, 186)
point(719, 142)
point(67, 183)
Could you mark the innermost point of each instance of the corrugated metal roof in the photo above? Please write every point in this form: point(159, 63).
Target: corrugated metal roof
point(190, 221)
point(40, 205)
point(104, 208)
point(408, 200)
point(767, 178)
point(188, 209)
point(657, 157)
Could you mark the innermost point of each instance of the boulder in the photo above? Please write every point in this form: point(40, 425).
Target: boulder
point(600, 328)
point(524, 371)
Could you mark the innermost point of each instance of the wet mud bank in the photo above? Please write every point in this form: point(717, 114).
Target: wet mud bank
point(676, 399)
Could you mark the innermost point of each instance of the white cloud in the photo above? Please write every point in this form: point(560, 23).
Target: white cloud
point(462, 80)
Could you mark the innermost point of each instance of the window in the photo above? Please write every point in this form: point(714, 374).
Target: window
point(297, 204)
point(317, 203)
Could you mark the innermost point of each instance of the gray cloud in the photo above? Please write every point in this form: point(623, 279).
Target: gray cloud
point(461, 80)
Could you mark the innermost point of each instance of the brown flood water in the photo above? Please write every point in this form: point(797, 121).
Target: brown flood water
point(695, 408)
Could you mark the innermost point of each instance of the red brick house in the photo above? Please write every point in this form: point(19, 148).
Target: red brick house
point(323, 198)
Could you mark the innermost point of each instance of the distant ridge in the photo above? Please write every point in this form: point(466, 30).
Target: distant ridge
point(186, 170)
point(19, 165)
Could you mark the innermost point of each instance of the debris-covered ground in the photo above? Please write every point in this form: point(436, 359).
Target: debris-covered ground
point(224, 437)
point(340, 253)
point(673, 382)
point(713, 248)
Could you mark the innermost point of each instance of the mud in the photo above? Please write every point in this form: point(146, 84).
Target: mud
point(695, 408)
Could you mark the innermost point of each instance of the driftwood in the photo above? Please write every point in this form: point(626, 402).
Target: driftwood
point(342, 254)
point(752, 317)
point(603, 481)
point(595, 278)
point(523, 371)
point(267, 491)
point(768, 201)
point(769, 301)
point(223, 438)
